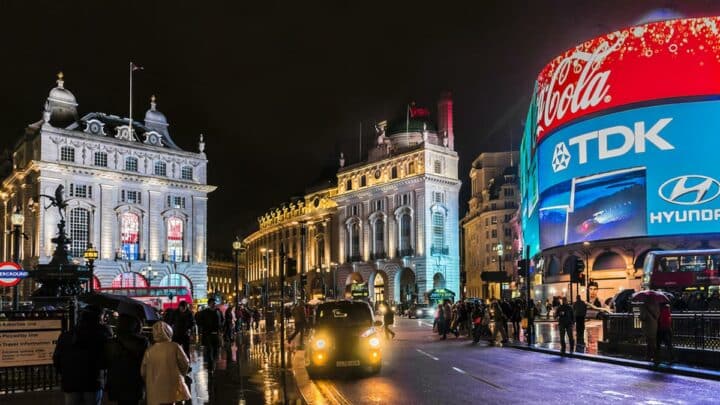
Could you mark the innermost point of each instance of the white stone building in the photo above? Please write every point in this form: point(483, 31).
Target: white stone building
point(398, 211)
point(135, 195)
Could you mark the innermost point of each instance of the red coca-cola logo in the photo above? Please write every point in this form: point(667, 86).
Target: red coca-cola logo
point(655, 61)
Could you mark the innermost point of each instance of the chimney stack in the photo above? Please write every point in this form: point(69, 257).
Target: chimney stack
point(445, 119)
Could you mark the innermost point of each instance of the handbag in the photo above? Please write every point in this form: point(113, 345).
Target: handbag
point(524, 323)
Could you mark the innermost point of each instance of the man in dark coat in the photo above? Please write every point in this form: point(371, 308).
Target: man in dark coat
point(649, 315)
point(79, 358)
point(580, 310)
point(209, 321)
point(566, 317)
point(184, 323)
point(124, 356)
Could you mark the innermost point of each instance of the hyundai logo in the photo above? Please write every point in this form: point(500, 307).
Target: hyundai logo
point(691, 189)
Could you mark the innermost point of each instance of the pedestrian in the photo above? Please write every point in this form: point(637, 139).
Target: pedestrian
point(79, 359)
point(298, 314)
point(530, 313)
point(124, 355)
point(548, 308)
point(183, 326)
point(649, 315)
point(388, 319)
point(515, 318)
point(255, 319)
point(664, 332)
point(566, 317)
point(477, 319)
point(164, 368)
point(580, 310)
point(229, 322)
point(210, 324)
point(436, 322)
point(498, 316)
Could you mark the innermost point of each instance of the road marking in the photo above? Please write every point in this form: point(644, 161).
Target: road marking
point(478, 378)
point(425, 323)
point(617, 394)
point(331, 394)
point(427, 354)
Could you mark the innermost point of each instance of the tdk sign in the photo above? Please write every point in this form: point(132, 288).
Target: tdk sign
point(625, 139)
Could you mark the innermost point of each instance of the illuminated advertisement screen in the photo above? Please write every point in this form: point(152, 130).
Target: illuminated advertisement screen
point(647, 171)
point(675, 59)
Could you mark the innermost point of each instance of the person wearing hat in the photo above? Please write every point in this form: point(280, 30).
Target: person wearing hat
point(210, 324)
point(164, 367)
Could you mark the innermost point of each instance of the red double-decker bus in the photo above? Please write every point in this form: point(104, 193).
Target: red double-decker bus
point(682, 270)
point(161, 298)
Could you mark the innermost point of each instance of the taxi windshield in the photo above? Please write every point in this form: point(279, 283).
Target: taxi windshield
point(344, 315)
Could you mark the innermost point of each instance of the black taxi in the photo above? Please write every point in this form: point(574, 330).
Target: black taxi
point(344, 336)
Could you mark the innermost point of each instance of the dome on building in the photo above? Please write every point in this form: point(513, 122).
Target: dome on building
point(153, 116)
point(416, 124)
point(61, 105)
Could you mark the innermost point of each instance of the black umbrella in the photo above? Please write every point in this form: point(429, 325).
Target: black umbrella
point(121, 304)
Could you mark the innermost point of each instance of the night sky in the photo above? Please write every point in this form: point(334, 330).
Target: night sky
point(281, 88)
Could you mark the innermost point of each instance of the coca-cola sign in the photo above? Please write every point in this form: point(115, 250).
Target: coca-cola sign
point(660, 60)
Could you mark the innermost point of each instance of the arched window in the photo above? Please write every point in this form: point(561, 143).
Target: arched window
point(175, 239)
point(405, 234)
point(79, 227)
point(438, 233)
point(379, 238)
point(175, 280)
point(130, 235)
point(129, 280)
point(160, 168)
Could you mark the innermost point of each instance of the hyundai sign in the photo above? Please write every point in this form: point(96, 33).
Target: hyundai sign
point(622, 137)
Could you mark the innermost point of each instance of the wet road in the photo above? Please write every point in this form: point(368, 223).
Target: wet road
point(420, 369)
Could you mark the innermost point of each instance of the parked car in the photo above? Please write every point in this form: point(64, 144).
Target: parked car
point(421, 311)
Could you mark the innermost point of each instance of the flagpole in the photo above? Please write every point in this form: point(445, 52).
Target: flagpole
point(131, 75)
point(407, 119)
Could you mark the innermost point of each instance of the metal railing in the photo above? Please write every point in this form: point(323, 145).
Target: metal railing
point(34, 377)
point(690, 330)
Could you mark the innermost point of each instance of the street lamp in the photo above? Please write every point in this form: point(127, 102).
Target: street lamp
point(17, 219)
point(266, 270)
point(90, 255)
point(586, 251)
point(237, 246)
point(149, 273)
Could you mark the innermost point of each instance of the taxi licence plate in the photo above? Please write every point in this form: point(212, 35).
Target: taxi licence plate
point(347, 363)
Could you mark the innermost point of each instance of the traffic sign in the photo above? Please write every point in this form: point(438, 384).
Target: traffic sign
point(11, 274)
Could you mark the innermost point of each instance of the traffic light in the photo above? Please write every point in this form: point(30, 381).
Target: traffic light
point(522, 268)
point(291, 269)
point(578, 271)
point(581, 278)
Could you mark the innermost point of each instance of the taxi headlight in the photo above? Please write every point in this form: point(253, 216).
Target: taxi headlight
point(320, 343)
point(374, 342)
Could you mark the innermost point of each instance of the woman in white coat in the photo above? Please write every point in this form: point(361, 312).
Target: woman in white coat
point(164, 367)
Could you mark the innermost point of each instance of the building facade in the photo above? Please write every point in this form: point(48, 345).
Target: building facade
point(490, 237)
point(305, 229)
point(132, 193)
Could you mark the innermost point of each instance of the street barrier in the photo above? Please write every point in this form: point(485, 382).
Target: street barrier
point(691, 330)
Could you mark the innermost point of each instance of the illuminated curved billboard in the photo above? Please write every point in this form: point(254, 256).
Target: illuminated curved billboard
point(659, 60)
point(622, 136)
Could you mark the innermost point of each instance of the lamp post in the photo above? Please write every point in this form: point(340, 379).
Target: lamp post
point(586, 251)
point(90, 255)
point(266, 253)
point(17, 219)
point(237, 246)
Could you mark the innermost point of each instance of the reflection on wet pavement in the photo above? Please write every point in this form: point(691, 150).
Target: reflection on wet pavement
point(247, 372)
point(548, 336)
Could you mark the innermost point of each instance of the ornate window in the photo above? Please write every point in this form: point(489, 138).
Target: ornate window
point(67, 154)
point(411, 168)
point(79, 226)
point(379, 238)
point(175, 239)
point(355, 234)
point(101, 159)
point(438, 233)
point(175, 201)
point(363, 181)
point(438, 167)
point(130, 235)
point(160, 168)
point(405, 232)
point(131, 164)
point(348, 185)
point(186, 173)
point(131, 196)
point(80, 190)
point(393, 172)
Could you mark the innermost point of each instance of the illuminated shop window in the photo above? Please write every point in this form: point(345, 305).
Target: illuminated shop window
point(130, 235)
point(175, 239)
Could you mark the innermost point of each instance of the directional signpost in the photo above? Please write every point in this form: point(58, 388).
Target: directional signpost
point(11, 274)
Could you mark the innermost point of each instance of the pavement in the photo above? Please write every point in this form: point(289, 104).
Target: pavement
point(418, 368)
point(247, 372)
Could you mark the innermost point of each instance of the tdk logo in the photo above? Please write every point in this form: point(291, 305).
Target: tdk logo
point(632, 138)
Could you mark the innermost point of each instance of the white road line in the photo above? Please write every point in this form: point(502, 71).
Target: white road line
point(427, 354)
point(425, 323)
point(616, 394)
point(459, 371)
